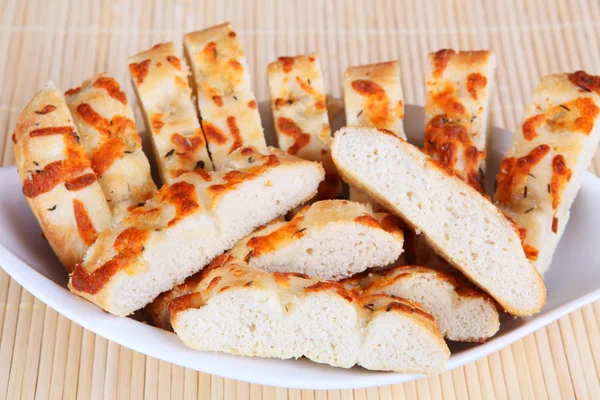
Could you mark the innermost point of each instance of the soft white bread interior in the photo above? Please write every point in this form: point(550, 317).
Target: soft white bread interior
point(463, 312)
point(108, 133)
point(161, 83)
point(228, 108)
point(541, 173)
point(188, 223)
point(460, 223)
point(457, 110)
point(330, 239)
point(243, 310)
point(300, 114)
point(58, 181)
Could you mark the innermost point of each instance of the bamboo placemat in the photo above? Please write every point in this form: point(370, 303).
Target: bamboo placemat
point(43, 354)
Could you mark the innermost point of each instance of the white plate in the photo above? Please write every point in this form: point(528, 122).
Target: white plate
point(573, 281)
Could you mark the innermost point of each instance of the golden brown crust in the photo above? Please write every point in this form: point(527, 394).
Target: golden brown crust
point(373, 97)
point(108, 133)
point(540, 173)
point(458, 92)
point(230, 117)
point(161, 84)
point(58, 183)
point(300, 115)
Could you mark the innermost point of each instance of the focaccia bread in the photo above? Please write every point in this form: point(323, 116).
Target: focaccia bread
point(230, 117)
point(541, 173)
point(457, 110)
point(58, 181)
point(239, 309)
point(373, 97)
point(463, 312)
point(460, 223)
point(161, 84)
point(330, 239)
point(300, 114)
point(107, 130)
point(188, 223)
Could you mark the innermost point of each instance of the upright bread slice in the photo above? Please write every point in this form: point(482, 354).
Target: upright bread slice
point(330, 239)
point(463, 313)
point(457, 109)
point(300, 114)
point(107, 129)
point(542, 171)
point(460, 223)
point(243, 310)
point(58, 182)
point(187, 224)
point(161, 84)
point(230, 117)
point(373, 97)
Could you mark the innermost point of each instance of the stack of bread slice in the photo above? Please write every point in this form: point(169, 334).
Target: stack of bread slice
point(244, 310)
point(188, 223)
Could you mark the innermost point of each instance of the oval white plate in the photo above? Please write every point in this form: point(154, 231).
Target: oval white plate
point(573, 281)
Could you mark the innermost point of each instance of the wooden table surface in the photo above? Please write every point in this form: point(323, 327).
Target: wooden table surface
point(43, 354)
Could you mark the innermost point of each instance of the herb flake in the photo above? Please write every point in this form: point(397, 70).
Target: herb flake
point(52, 208)
point(170, 153)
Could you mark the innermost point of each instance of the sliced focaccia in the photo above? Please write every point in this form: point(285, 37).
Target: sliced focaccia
point(58, 181)
point(230, 117)
point(107, 129)
point(300, 114)
point(330, 239)
point(457, 109)
point(373, 97)
point(542, 171)
point(188, 223)
point(161, 83)
point(463, 312)
point(459, 222)
point(243, 310)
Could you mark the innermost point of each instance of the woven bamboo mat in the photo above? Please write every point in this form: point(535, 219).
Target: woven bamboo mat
point(43, 354)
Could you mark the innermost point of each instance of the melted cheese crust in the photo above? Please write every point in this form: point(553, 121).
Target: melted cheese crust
point(373, 97)
point(230, 117)
point(161, 83)
point(106, 125)
point(300, 114)
point(456, 111)
point(541, 173)
point(58, 181)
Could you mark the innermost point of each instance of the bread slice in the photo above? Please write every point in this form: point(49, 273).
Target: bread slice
point(457, 109)
point(373, 97)
point(161, 84)
point(243, 310)
point(230, 117)
point(463, 312)
point(542, 171)
point(58, 181)
point(330, 239)
point(187, 224)
point(300, 115)
point(107, 129)
point(460, 223)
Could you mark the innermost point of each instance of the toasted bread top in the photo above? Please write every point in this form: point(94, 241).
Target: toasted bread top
point(373, 96)
point(457, 109)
